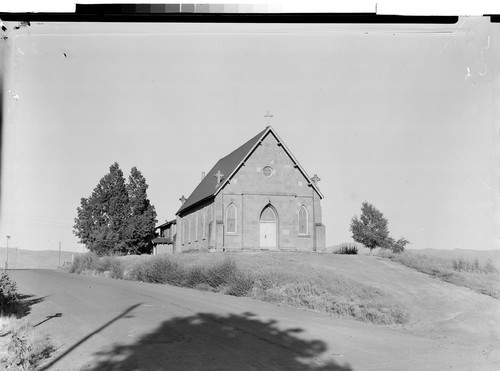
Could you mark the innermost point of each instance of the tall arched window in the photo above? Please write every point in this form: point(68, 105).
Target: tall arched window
point(231, 219)
point(303, 221)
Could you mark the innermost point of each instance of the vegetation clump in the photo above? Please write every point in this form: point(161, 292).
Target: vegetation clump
point(21, 346)
point(26, 348)
point(347, 249)
point(8, 293)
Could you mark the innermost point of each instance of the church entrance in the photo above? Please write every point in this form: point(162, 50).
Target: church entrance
point(268, 227)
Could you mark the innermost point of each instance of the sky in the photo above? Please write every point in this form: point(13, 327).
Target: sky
point(402, 116)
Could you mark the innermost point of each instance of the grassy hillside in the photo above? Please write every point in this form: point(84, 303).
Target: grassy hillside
point(31, 259)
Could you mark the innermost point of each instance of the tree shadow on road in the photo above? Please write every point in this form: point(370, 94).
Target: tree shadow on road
point(23, 306)
point(208, 341)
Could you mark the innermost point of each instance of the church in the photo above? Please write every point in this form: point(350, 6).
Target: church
point(258, 197)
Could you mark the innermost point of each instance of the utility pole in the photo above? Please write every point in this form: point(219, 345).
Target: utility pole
point(59, 254)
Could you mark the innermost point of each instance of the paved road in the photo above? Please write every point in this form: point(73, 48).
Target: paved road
point(103, 324)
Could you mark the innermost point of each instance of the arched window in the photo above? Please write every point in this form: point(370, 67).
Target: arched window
point(303, 221)
point(231, 219)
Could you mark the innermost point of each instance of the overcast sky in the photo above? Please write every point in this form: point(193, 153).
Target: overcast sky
point(402, 116)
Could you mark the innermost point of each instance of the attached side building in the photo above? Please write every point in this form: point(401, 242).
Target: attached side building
point(257, 197)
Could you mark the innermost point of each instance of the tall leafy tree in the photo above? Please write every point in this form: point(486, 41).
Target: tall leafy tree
point(142, 220)
point(371, 228)
point(108, 220)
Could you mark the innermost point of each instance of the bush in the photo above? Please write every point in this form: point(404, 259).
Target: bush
point(347, 249)
point(221, 273)
point(8, 292)
point(157, 269)
point(84, 262)
point(112, 265)
point(241, 284)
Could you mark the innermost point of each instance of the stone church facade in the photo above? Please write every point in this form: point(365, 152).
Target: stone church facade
point(256, 198)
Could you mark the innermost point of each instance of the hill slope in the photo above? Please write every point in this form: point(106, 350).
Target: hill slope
point(31, 259)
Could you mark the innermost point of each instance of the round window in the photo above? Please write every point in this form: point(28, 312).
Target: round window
point(267, 171)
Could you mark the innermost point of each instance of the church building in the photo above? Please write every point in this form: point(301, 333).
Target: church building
point(258, 197)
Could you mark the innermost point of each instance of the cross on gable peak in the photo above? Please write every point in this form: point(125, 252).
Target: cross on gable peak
point(182, 199)
point(315, 178)
point(269, 116)
point(219, 176)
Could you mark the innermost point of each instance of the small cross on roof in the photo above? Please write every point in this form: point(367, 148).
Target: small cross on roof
point(269, 117)
point(315, 178)
point(219, 176)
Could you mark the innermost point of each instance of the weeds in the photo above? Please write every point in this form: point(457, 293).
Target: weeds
point(83, 262)
point(480, 277)
point(24, 347)
point(27, 347)
point(111, 265)
point(462, 265)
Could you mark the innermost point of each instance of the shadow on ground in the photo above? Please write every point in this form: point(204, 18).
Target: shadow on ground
point(23, 307)
point(207, 341)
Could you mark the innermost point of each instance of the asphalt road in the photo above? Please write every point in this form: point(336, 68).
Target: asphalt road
point(103, 324)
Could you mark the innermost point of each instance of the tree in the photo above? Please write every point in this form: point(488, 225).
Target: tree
point(108, 222)
point(140, 228)
point(371, 229)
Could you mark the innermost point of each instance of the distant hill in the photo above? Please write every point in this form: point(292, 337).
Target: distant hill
point(32, 259)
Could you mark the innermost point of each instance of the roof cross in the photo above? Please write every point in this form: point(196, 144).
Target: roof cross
point(269, 117)
point(219, 176)
point(182, 199)
point(315, 178)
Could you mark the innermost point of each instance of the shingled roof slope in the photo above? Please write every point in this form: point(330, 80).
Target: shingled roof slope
point(208, 186)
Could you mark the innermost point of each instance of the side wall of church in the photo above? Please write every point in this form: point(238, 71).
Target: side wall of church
point(283, 187)
point(195, 229)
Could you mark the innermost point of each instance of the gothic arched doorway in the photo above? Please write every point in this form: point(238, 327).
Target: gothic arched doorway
point(268, 228)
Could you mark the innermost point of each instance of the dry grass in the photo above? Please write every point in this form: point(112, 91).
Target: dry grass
point(276, 278)
point(481, 276)
point(23, 348)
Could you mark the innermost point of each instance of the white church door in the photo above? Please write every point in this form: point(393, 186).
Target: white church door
point(268, 226)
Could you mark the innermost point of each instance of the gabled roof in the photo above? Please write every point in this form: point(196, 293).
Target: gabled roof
point(229, 165)
point(166, 224)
